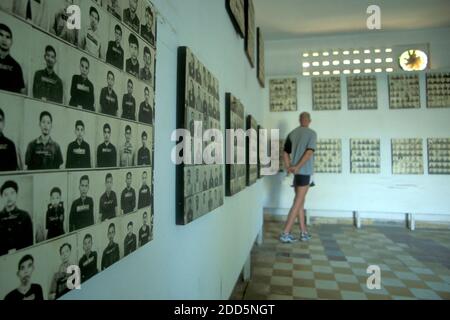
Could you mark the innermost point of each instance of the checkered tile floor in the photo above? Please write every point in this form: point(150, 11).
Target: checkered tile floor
point(414, 265)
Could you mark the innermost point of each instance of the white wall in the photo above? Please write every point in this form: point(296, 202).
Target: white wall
point(339, 194)
point(202, 260)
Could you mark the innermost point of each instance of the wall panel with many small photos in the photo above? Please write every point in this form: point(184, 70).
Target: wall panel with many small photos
point(283, 94)
point(407, 156)
point(439, 156)
point(404, 91)
point(328, 156)
point(326, 93)
point(362, 93)
point(77, 115)
point(199, 185)
point(438, 90)
point(365, 156)
point(252, 149)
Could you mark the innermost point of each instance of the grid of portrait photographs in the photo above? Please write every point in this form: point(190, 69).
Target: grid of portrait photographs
point(326, 92)
point(198, 103)
point(250, 32)
point(281, 144)
point(362, 93)
point(236, 10)
point(236, 174)
point(264, 152)
point(404, 91)
point(407, 156)
point(252, 151)
point(283, 94)
point(328, 156)
point(438, 90)
point(261, 59)
point(365, 156)
point(76, 160)
point(439, 156)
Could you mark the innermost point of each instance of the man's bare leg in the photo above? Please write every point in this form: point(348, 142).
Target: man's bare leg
point(301, 211)
point(293, 213)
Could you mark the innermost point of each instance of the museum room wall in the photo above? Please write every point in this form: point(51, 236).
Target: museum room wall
point(373, 195)
point(203, 259)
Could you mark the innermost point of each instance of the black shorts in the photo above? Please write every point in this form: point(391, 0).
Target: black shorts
point(301, 180)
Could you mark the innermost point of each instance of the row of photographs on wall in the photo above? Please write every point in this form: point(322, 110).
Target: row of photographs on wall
point(252, 149)
point(61, 74)
point(362, 93)
point(56, 138)
point(42, 270)
point(365, 156)
point(39, 208)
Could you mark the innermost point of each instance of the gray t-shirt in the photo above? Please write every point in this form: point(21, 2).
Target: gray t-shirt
point(297, 143)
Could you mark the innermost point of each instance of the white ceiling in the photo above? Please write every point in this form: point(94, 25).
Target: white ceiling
point(287, 19)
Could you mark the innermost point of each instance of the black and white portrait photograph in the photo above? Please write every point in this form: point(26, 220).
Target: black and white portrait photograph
point(128, 191)
point(89, 251)
point(114, 8)
point(145, 151)
point(148, 23)
point(130, 225)
point(145, 226)
point(81, 213)
point(14, 54)
point(50, 205)
point(115, 53)
point(134, 49)
point(94, 23)
point(130, 14)
point(236, 10)
point(107, 142)
point(11, 135)
point(110, 242)
point(128, 144)
point(108, 204)
point(147, 70)
point(35, 12)
point(58, 18)
point(43, 144)
point(109, 100)
point(145, 190)
point(48, 82)
point(16, 213)
point(132, 95)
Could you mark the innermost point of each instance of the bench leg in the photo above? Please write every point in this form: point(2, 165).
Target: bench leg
point(356, 220)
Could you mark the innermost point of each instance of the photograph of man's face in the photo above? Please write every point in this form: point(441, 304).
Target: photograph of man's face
point(84, 188)
point(45, 125)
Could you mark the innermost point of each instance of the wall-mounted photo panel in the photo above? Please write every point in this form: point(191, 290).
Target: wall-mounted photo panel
point(235, 171)
point(11, 132)
point(407, 156)
point(283, 95)
point(439, 156)
point(404, 91)
point(236, 10)
point(250, 32)
point(328, 156)
point(192, 71)
point(362, 93)
point(15, 67)
point(252, 151)
point(365, 156)
point(326, 93)
point(261, 59)
point(438, 90)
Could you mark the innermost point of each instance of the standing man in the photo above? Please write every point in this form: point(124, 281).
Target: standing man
point(129, 103)
point(132, 63)
point(16, 227)
point(82, 89)
point(78, 151)
point(127, 156)
point(108, 201)
point(82, 210)
point(130, 242)
point(145, 109)
point(106, 152)
point(8, 152)
point(43, 153)
point(108, 98)
point(11, 75)
point(88, 262)
point(147, 29)
point(298, 158)
point(128, 198)
point(145, 194)
point(115, 54)
point(144, 231)
point(26, 290)
point(144, 158)
point(146, 74)
point(91, 41)
point(130, 16)
point(111, 254)
point(47, 85)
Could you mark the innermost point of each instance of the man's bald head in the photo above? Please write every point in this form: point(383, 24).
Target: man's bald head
point(305, 119)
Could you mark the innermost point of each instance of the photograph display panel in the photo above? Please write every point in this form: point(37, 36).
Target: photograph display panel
point(365, 156)
point(236, 10)
point(250, 32)
point(326, 93)
point(407, 156)
point(200, 186)
point(362, 93)
point(439, 156)
point(283, 94)
point(404, 91)
point(236, 174)
point(261, 59)
point(438, 90)
point(252, 148)
point(71, 165)
point(328, 156)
